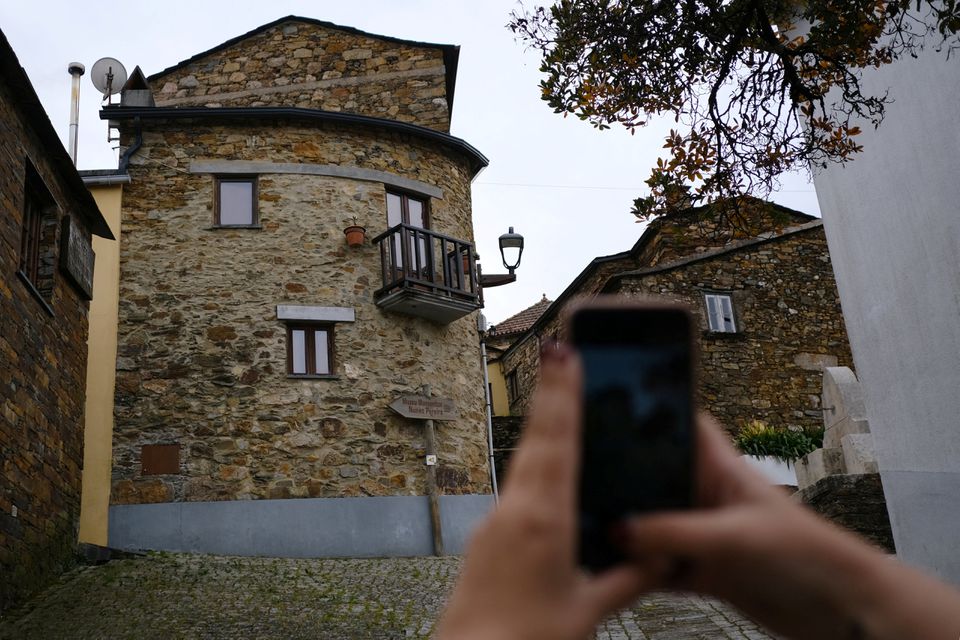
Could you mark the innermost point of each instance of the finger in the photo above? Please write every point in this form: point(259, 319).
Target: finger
point(547, 461)
point(722, 476)
point(683, 534)
point(614, 589)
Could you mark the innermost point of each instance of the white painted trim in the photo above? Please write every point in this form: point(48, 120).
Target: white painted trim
point(315, 314)
point(302, 168)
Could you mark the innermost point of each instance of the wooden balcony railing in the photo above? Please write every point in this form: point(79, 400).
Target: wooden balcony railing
point(427, 274)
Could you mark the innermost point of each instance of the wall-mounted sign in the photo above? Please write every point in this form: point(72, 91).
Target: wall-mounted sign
point(424, 408)
point(76, 256)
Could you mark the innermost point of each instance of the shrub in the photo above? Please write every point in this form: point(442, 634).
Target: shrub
point(758, 439)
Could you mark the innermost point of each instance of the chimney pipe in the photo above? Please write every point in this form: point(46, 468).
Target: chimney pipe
point(75, 69)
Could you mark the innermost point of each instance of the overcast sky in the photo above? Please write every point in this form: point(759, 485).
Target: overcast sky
point(565, 186)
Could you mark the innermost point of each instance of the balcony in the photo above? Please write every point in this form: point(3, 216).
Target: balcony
point(427, 274)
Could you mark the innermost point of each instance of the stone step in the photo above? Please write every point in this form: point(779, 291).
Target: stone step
point(845, 426)
point(858, 453)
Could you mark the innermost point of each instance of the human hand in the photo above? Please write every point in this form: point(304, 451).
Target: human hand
point(520, 578)
point(792, 571)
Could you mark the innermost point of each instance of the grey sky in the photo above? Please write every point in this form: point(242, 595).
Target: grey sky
point(564, 185)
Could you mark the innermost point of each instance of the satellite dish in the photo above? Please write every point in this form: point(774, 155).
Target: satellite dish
point(108, 76)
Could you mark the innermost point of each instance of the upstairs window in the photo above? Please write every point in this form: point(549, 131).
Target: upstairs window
point(236, 201)
point(38, 240)
point(309, 350)
point(720, 312)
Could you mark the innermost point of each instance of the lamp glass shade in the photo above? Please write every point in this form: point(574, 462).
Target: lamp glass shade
point(511, 249)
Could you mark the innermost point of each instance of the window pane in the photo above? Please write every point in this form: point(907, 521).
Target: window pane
point(415, 207)
point(727, 307)
point(713, 313)
point(236, 203)
point(323, 355)
point(298, 351)
point(394, 210)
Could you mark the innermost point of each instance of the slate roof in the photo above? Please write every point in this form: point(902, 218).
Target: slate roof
point(520, 322)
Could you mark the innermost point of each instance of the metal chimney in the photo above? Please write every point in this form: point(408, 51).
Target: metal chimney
point(75, 69)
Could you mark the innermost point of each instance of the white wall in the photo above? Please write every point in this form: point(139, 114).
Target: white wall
point(892, 219)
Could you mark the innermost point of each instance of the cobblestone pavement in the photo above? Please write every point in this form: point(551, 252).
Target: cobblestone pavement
point(171, 596)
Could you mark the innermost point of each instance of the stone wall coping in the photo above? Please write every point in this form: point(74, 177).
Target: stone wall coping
point(356, 173)
point(476, 159)
point(315, 314)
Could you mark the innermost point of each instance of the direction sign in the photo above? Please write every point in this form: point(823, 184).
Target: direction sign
point(424, 408)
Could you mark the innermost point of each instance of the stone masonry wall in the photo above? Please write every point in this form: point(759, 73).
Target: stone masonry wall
point(298, 64)
point(42, 378)
point(202, 357)
point(790, 326)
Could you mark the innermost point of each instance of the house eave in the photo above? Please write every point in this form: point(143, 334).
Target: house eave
point(476, 159)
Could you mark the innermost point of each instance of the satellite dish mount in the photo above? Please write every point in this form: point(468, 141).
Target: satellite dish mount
point(108, 76)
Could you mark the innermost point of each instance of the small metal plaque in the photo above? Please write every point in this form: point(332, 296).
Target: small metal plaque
point(76, 256)
point(431, 460)
point(424, 408)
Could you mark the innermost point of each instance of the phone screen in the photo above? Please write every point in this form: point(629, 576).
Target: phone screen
point(638, 416)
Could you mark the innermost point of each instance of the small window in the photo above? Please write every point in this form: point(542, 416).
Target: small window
point(38, 241)
point(720, 313)
point(236, 202)
point(513, 386)
point(309, 350)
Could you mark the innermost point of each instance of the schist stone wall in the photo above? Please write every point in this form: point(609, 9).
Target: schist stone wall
point(202, 355)
point(250, 457)
point(306, 64)
point(788, 317)
point(43, 352)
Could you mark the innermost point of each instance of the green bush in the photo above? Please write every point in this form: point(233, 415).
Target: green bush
point(758, 439)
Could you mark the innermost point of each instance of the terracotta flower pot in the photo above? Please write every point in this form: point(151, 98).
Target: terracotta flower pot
point(355, 235)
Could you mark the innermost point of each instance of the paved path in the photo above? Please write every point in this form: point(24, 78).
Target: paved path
point(172, 596)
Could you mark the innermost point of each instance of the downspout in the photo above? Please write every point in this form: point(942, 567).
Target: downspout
point(486, 393)
point(132, 149)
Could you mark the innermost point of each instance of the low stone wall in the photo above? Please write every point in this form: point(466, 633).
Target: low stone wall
point(855, 502)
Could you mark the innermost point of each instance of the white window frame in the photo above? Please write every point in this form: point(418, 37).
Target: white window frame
point(720, 318)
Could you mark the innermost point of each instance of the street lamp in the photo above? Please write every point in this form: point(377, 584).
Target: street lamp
point(511, 250)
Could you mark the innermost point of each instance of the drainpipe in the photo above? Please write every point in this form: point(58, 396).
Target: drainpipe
point(132, 149)
point(486, 393)
point(75, 69)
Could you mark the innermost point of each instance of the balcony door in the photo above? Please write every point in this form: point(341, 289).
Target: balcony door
point(410, 210)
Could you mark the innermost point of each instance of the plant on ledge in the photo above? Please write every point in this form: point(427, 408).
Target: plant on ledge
point(758, 439)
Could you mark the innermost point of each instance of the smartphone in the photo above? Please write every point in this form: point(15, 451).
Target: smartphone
point(638, 434)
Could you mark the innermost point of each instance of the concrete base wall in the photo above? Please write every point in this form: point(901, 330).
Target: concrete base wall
point(303, 528)
point(925, 519)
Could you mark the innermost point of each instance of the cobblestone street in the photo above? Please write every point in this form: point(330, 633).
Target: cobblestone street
point(172, 596)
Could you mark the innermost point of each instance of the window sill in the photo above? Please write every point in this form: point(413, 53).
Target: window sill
point(302, 376)
point(218, 227)
point(723, 335)
point(35, 293)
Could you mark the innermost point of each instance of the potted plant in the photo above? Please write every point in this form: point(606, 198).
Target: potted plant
point(355, 234)
point(772, 450)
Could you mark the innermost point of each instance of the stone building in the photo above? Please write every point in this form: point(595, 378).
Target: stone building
point(258, 352)
point(769, 318)
point(47, 218)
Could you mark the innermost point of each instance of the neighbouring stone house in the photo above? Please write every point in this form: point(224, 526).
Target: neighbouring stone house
point(258, 352)
point(765, 301)
point(47, 218)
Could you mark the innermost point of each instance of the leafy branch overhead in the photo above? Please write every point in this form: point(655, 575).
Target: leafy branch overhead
point(758, 87)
